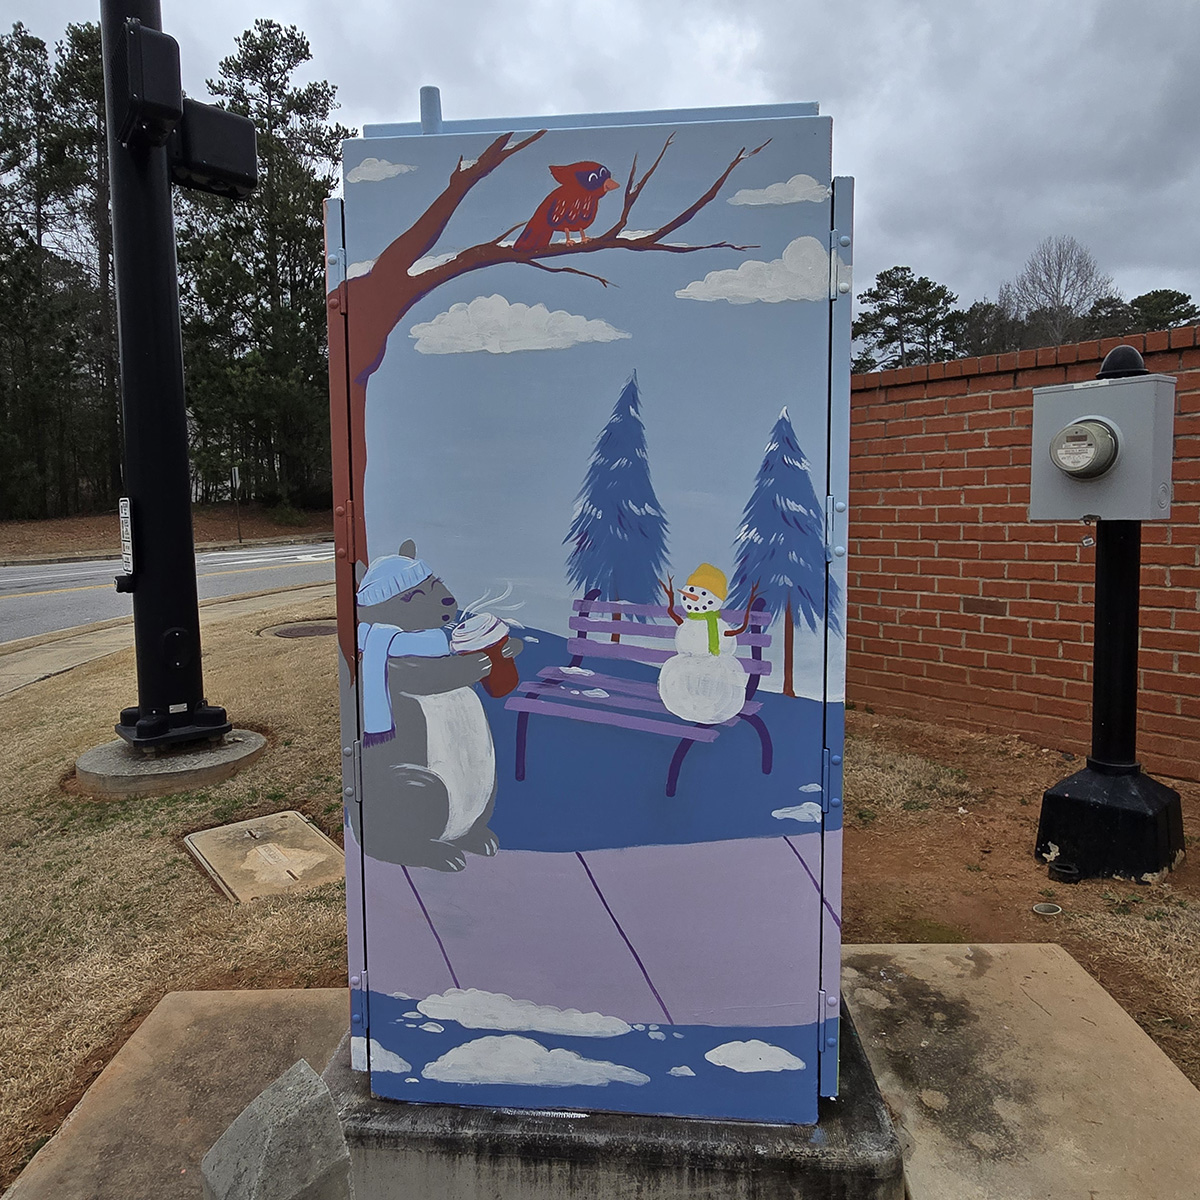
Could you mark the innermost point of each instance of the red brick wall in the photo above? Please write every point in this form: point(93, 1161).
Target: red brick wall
point(961, 610)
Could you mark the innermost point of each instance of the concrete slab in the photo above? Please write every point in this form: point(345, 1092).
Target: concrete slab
point(196, 1061)
point(118, 769)
point(1011, 1073)
point(267, 856)
point(443, 1150)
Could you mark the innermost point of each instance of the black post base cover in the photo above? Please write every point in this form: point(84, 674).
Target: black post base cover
point(1120, 824)
point(206, 722)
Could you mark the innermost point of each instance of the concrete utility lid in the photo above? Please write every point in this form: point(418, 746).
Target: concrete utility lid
point(267, 856)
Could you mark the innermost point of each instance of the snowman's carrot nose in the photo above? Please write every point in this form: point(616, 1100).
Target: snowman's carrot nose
point(690, 595)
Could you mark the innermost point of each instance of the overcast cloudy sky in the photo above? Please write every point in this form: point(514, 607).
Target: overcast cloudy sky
point(974, 128)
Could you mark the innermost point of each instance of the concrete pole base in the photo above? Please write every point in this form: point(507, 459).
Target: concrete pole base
point(117, 769)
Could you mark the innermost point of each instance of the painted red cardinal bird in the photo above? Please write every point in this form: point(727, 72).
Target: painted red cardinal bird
point(570, 207)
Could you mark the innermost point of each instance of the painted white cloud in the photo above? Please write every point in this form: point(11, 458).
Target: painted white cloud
point(358, 1053)
point(519, 1060)
point(797, 189)
point(355, 269)
point(491, 323)
point(383, 1059)
point(683, 1072)
point(754, 1056)
point(494, 1010)
point(810, 787)
point(802, 273)
point(809, 811)
point(375, 170)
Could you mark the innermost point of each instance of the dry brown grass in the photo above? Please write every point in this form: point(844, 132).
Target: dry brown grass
point(882, 784)
point(1154, 934)
point(99, 533)
point(105, 911)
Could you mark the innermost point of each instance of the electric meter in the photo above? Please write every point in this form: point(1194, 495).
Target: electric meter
point(1084, 449)
point(1102, 450)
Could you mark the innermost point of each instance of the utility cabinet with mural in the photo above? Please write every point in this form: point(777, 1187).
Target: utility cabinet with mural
point(590, 392)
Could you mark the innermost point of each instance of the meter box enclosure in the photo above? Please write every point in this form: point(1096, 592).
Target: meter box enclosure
point(1103, 449)
point(590, 382)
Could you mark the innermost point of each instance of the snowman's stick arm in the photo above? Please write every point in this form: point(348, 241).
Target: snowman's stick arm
point(669, 588)
point(745, 620)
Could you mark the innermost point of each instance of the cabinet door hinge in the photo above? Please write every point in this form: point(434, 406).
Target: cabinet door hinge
point(831, 780)
point(343, 530)
point(357, 771)
point(835, 528)
point(839, 272)
point(335, 278)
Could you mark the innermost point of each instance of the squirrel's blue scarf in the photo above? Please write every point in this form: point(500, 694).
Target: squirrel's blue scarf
point(377, 643)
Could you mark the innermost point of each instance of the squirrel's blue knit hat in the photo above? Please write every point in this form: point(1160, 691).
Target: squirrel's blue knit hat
point(389, 576)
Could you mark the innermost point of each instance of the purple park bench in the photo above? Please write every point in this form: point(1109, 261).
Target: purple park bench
point(602, 632)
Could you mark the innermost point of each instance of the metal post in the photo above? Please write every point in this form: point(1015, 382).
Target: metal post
point(1112, 818)
point(171, 705)
point(431, 110)
point(1115, 647)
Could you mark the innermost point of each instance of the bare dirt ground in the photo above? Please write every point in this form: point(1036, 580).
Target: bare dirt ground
point(105, 912)
point(99, 533)
point(940, 829)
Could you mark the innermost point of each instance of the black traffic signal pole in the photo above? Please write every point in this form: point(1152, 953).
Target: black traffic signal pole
point(144, 109)
point(1112, 818)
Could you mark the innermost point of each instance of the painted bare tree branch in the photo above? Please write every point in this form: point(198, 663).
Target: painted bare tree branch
point(379, 299)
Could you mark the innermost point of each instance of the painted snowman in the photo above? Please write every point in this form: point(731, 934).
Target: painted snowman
point(705, 681)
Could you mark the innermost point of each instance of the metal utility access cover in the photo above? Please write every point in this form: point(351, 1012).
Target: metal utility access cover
point(267, 856)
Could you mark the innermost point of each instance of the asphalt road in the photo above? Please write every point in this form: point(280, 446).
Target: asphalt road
point(44, 597)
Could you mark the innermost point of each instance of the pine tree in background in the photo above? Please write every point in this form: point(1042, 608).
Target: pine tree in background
point(618, 536)
point(253, 284)
point(781, 544)
point(59, 451)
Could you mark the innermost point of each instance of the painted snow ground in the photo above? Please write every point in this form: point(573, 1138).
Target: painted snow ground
point(699, 913)
point(589, 786)
point(671, 1069)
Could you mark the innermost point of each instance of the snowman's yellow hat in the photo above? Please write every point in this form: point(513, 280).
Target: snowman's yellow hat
point(710, 578)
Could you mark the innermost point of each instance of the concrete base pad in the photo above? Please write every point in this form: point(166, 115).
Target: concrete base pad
point(434, 1150)
point(117, 769)
point(1008, 1070)
point(192, 1065)
point(1011, 1072)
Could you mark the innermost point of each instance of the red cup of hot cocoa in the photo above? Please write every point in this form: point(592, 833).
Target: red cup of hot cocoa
point(488, 633)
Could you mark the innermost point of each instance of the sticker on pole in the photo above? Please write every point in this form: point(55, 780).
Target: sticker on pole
point(126, 536)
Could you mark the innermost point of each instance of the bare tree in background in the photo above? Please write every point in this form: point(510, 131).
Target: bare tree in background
point(1058, 286)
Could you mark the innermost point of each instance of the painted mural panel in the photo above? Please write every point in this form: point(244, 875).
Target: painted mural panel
point(588, 383)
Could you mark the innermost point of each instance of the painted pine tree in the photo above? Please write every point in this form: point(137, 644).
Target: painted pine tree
point(618, 536)
point(781, 543)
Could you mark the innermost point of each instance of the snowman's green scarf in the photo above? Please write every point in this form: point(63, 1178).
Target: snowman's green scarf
point(714, 634)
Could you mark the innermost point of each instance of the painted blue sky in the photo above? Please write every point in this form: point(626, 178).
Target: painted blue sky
point(515, 431)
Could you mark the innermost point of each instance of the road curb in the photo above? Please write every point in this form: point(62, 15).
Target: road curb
point(203, 548)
